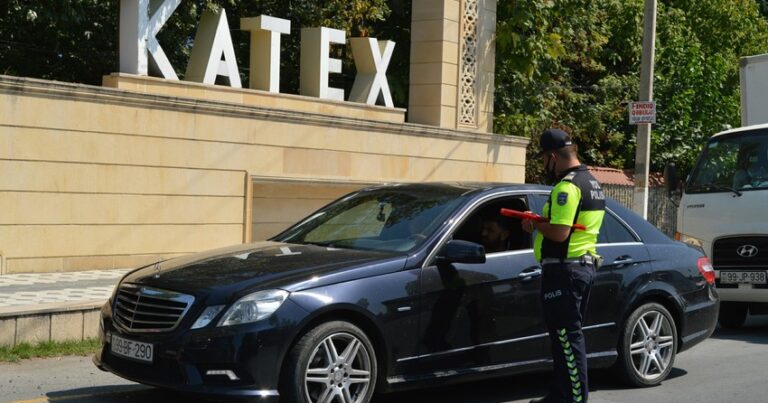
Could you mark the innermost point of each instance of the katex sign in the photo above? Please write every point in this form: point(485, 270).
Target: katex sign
point(213, 53)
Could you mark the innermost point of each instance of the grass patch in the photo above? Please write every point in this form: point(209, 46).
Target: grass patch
point(49, 349)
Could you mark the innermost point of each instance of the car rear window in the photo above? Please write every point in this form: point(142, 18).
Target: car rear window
point(613, 231)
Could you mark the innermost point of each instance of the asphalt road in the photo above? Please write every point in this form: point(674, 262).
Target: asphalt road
point(729, 367)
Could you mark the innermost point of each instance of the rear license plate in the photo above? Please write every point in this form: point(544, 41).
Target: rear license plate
point(133, 350)
point(743, 277)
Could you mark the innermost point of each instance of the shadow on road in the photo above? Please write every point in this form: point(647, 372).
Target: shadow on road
point(755, 330)
point(513, 388)
point(490, 391)
point(499, 390)
point(121, 393)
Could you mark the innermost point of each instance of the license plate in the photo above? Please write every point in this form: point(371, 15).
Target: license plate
point(133, 350)
point(743, 277)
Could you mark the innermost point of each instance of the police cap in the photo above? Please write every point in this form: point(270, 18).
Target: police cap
point(554, 139)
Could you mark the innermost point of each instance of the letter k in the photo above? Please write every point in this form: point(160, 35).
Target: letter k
point(138, 36)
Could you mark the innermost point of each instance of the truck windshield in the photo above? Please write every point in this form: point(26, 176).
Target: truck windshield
point(733, 163)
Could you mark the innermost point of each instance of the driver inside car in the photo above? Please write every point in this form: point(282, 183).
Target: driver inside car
point(752, 172)
point(496, 233)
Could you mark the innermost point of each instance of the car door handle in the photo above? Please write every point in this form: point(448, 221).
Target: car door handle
point(530, 273)
point(626, 259)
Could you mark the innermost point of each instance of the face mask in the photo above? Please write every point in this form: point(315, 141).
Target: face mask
point(550, 174)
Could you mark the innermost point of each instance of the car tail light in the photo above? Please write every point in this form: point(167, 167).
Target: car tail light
point(706, 269)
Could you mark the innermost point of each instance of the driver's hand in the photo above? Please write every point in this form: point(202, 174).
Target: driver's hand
point(527, 226)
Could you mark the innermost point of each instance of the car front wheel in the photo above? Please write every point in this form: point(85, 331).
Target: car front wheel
point(648, 346)
point(333, 363)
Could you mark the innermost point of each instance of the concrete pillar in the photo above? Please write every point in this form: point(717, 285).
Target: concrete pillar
point(453, 64)
point(487, 64)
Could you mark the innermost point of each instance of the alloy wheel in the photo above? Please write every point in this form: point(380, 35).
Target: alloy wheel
point(652, 346)
point(339, 370)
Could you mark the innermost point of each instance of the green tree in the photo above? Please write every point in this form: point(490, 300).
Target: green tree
point(576, 63)
point(763, 6)
point(554, 63)
point(697, 77)
point(74, 40)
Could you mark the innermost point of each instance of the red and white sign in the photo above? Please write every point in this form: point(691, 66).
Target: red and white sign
point(642, 112)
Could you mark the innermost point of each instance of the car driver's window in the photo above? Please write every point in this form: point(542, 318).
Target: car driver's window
point(486, 226)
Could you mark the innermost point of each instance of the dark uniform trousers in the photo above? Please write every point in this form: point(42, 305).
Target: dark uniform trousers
point(564, 293)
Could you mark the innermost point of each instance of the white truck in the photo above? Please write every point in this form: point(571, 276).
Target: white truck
point(724, 204)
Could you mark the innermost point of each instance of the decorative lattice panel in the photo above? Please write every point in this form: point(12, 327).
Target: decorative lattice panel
point(468, 64)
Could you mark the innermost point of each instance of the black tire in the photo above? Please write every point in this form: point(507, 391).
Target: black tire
point(633, 367)
point(312, 346)
point(732, 314)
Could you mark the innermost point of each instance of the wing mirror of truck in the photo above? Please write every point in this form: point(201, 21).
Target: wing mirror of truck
point(670, 178)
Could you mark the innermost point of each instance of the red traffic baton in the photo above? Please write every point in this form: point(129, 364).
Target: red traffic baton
point(534, 217)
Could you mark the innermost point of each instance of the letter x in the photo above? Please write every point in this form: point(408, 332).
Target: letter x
point(372, 60)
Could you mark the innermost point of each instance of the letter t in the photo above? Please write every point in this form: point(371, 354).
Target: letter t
point(265, 50)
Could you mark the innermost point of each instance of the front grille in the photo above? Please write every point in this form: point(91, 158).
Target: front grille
point(146, 309)
point(725, 252)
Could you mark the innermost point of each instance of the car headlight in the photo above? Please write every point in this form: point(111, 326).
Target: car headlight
point(253, 307)
point(689, 240)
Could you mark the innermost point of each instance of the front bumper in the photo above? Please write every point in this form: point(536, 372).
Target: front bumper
point(194, 386)
point(182, 359)
point(743, 293)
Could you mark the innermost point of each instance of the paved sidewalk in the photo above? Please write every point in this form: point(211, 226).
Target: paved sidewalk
point(29, 292)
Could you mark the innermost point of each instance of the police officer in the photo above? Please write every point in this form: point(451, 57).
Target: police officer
point(568, 259)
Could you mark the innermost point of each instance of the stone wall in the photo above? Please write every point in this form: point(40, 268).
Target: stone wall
point(97, 177)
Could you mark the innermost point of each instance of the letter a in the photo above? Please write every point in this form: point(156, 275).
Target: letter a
point(211, 43)
point(137, 36)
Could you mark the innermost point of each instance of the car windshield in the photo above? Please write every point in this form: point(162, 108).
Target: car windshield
point(732, 164)
point(395, 219)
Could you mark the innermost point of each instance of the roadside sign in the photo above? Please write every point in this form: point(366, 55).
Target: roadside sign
point(642, 112)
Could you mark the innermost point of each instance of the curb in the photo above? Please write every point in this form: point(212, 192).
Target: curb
point(34, 324)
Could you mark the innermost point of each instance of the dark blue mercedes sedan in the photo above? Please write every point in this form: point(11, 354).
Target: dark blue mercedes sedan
point(395, 287)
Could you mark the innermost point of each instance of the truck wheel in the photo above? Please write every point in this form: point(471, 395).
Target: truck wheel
point(732, 314)
point(648, 345)
point(335, 361)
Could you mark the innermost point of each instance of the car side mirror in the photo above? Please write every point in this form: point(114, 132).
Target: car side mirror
point(670, 177)
point(457, 251)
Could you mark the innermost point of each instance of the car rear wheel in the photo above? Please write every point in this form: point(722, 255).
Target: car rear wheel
point(333, 363)
point(648, 345)
point(732, 314)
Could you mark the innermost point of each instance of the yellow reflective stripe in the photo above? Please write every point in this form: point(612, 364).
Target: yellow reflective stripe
point(570, 361)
